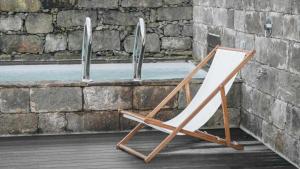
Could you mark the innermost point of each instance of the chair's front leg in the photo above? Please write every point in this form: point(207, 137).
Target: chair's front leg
point(130, 134)
point(225, 116)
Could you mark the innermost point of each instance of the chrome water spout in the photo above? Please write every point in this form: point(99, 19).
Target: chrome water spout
point(86, 51)
point(138, 49)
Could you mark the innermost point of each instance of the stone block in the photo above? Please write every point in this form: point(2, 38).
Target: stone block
point(66, 55)
point(228, 38)
point(187, 30)
point(177, 43)
point(265, 78)
point(279, 113)
point(152, 43)
point(269, 132)
point(55, 42)
point(273, 52)
point(217, 120)
point(74, 18)
point(20, 5)
point(239, 20)
point(92, 121)
point(18, 123)
point(75, 40)
point(294, 59)
point(244, 41)
point(107, 98)
point(10, 23)
point(120, 18)
point(54, 99)
point(141, 3)
point(253, 22)
point(199, 51)
point(106, 40)
point(265, 5)
point(176, 2)
point(293, 117)
point(203, 15)
point(21, 43)
point(148, 97)
point(52, 123)
point(59, 4)
point(106, 4)
point(39, 23)
point(249, 4)
point(291, 147)
point(252, 123)
point(194, 87)
point(172, 30)
point(296, 10)
point(220, 17)
point(175, 13)
point(291, 27)
point(277, 23)
point(282, 6)
point(201, 2)
point(14, 100)
point(200, 32)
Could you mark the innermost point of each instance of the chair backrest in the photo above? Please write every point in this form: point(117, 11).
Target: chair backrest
point(224, 62)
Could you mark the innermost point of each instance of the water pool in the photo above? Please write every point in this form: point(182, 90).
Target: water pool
point(99, 72)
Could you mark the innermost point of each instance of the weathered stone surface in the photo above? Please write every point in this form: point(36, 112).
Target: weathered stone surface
point(187, 30)
point(20, 5)
point(278, 113)
point(66, 55)
point(39, 23)
point(176, 2)
point(294, 59)
point(203, 15)
point(181, 97)
point(277, 24)
point(176, 43)
point(108, 4)
point(152, 43)
point(217, 120)
point(296, 10)
point(293, 117)
point(21, 43)
point(172, 30)
point(253, 22)
point(272, 52)
point(106, 40)
point(107, 98)
point(142, 3)
point(228, 38)
point(284, 6)
point(175, 13)
point(52, 122)
point(54, 99)
point(200, 32)
point(148, 97)
point(291, 147)
point(55, 42)
point(291, 27)
point(220, 17)
point(199, 51)
point(10, 23)
point(269, 132)
point(265, 5)
point(72, 18)
point(60, 4)
point(239, 20)
point(18, 123)
point(251, 122)
point(14, 100)
point(120, 18)
point(75, 40)
point(244, 41)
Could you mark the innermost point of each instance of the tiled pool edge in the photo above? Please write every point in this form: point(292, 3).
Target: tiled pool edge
point(67, 107)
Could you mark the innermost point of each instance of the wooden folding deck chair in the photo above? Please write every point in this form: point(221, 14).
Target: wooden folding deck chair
point(226, 64)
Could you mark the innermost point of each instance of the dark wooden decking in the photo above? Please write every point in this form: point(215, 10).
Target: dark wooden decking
point(98, 151)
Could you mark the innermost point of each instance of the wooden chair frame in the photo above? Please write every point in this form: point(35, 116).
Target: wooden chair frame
point(148, 119)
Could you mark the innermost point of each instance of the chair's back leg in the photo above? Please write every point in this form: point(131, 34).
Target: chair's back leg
point(225, 116)
point(130, 134)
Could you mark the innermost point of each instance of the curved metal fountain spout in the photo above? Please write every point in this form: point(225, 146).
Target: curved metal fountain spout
point(86, 52)
point(138, 49)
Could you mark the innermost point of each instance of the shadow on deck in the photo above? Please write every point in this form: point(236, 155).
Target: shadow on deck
point(98, 151)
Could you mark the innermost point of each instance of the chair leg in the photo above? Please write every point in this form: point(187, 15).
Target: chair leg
point(130, 135)
point(225, 117)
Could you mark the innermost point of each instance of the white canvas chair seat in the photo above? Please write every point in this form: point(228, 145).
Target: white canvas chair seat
point(219, 79)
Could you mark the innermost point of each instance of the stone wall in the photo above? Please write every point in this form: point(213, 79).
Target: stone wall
point(52, 30)
point(271, 88)
point(59, 108)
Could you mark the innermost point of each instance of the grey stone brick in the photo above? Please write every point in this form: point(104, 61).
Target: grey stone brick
point(200, 32)
point(61, 4)
point(272, 52)
point(120, 18)
point(249, 4)
point(284, 6)
point(217, 121)
point(265, 5)
point(21, 43)
point(172, 30)
point(296, 8)
point(20, 5)
point(291, 27)
point(293, 117)
point(269, 132)
point(199, 51)
point(107, 98)
point(203, 15)
point(187, 30)
point(176, 43)
point(106, 40)
point(201, 2)
point(107, 4)
point(228, 38)
point(175, 13)
point(142, 3)
point(10, 23)
point(152, 43)
point(64, 55)
point(52, 123)
point(253, 22)
point(54, 99)
point(55, 42)
point(176, 2)
point(73, 18)
point(294, 59)
point(278, 113)
point(244, 41)
point(291, 147)
point(18, 123)
point(14, 100)
point(277, 23)
point(39, 23)
point(75, 40)
point(252, 122)
point(239, 20)
point(220, 17)
point(148, 97)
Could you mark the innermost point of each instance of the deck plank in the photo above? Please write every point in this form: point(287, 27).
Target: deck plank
point(98, 151)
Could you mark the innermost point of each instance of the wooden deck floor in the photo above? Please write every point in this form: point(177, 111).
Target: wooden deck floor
point(98, 151)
